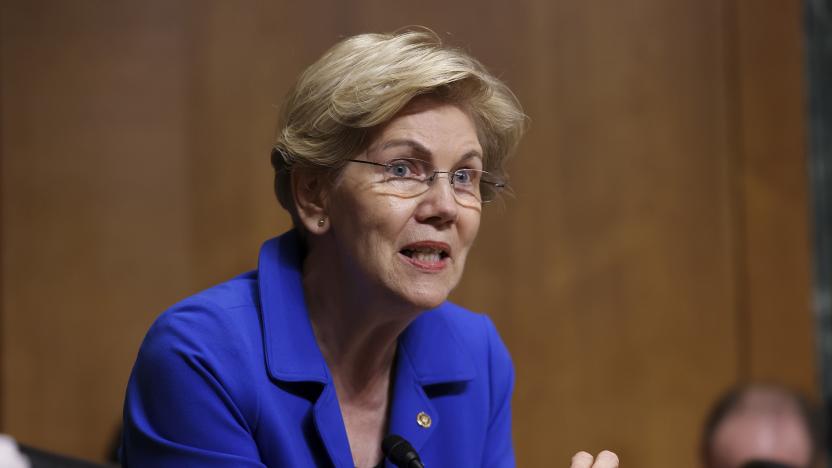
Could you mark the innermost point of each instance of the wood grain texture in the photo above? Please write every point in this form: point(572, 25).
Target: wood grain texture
point(620, 272)
point(774, 183)
point(654, 254)
point(95, 207)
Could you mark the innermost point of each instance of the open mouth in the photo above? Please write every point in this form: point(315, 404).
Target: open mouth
point(430, 255)
point(425, 254)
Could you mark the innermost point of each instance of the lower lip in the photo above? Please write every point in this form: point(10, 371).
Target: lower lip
point(426, 266)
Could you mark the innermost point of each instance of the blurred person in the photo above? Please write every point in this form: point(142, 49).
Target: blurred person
point(10, 455)
point(16, 455)
point(765, 464)
point(758, 426)
point(391, 145)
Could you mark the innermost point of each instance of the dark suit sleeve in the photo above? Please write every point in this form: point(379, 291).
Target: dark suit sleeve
point(186, 405)
point(499, 449)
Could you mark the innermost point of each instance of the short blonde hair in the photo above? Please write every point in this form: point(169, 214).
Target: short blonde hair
point(364, 81)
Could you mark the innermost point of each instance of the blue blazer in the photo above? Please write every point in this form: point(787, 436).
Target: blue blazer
point(233, 377)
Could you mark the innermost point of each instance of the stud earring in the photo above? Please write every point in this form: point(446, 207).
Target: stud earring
point(321, 221)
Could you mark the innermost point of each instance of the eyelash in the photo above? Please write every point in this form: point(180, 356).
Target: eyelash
point(409, 156)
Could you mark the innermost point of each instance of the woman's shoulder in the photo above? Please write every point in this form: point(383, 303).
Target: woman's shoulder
point(238, 292)
point(225, 312)
point(200, 357)
point(475, 331)
point(470, 324)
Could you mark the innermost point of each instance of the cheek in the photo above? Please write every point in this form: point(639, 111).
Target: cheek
point(469, 227)
point(375, 223)
point(386, 217)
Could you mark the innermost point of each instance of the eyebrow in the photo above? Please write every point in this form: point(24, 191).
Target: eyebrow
point(420, 148)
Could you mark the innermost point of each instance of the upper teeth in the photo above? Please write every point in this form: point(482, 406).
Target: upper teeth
point(426, 250)
point(427, 256)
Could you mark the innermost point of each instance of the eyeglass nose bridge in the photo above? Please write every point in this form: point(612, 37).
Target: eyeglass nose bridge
point(435, 175)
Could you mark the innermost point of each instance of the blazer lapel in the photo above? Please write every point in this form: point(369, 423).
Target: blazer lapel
point(330, 427)
point(429, 353)
point(412, 414)
point(292, 353)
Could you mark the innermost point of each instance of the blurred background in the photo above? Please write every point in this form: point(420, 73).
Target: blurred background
point(657, 250)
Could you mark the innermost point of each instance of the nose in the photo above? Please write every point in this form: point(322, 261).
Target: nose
point(438, 206)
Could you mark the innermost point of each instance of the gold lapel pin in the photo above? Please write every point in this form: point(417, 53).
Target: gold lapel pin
point(423, 419)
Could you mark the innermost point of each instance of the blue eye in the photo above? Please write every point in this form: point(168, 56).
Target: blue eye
point(402, 168)
point(465, 176)
point(399, 170)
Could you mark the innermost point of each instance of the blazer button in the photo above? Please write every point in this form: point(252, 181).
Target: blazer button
point(423, 419)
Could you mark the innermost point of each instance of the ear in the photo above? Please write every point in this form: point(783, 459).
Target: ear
point(310, 192)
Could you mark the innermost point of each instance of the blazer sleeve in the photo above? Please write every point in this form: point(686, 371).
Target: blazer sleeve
point(185, 404)
point(499, 449)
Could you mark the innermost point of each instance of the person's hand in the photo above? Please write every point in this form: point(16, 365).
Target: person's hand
point(605, 459)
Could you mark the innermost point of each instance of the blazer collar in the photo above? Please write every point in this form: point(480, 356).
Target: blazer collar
point(433, 350)
point(292, 354)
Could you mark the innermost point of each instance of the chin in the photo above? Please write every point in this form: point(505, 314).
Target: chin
point(423, 291)
point(427, 296)
point(425, 303)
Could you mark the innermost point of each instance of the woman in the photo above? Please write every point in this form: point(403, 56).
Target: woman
point(390, 145)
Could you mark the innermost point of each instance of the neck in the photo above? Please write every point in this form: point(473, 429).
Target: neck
point(356, 330)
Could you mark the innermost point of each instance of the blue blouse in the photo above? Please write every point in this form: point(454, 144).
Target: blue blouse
point(233, 377)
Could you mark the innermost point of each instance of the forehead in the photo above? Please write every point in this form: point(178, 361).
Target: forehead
point(436, 125)
point(775, 435)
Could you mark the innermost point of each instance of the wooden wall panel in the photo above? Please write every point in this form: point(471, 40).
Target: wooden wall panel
point(95, 207)
point(774, 184)
point(621, 262)
point(237, 80)
point(633, 276)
